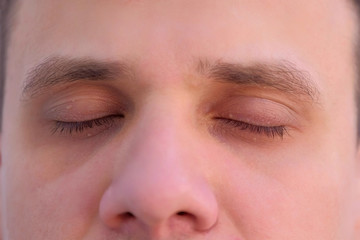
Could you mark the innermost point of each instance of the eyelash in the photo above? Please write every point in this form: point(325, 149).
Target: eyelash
point(79, 127)
point(269, 131)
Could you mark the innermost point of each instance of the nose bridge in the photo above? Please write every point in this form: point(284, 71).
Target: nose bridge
point(161, 132)
point(157, 153)
point(157, 130)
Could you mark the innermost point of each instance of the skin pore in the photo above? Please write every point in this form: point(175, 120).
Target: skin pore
point(180, 120)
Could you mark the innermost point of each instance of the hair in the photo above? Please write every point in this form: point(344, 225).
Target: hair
point(5, 16)
point(7, 12)
point(356, 4)
point(3, 5)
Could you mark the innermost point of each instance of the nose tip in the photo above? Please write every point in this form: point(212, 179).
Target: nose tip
point(160, 205)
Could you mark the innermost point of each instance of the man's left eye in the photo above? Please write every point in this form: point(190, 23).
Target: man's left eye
point(269, 131)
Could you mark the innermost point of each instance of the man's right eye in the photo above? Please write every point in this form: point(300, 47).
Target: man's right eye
point(87, 128)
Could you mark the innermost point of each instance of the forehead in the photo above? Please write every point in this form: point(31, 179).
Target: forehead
point(171, 33)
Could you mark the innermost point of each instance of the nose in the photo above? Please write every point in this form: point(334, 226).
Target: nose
point(160, 187)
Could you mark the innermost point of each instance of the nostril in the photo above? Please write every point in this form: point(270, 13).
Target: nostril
point(181, 213)
point(127, 215)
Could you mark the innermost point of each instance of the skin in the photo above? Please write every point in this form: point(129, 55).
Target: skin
point(173, 167)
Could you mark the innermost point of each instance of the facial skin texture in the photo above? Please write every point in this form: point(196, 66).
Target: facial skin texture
point(199, 134)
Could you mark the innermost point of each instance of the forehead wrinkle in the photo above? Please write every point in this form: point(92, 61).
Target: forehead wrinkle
point(283, 76)
point(59, 70)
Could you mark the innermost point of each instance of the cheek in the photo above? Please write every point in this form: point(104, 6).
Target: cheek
point(282, 195)
point(40, 199)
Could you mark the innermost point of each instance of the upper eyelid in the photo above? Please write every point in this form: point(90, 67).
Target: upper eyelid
point(79, 126)
point(91, 99)
point(259, 109)
point(74, 112)
point(269, 131)
point(258, 118)
point(247, 122)
point(93, 119)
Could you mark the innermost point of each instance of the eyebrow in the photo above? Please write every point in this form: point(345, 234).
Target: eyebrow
point(61, 70)
point(283, 76)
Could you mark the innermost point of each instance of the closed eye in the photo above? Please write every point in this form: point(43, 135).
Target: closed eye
point(99, 124)
point(268, 131)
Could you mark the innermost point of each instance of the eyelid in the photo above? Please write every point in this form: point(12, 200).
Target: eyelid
point(83, 114)
point(256, 111)
point(75, 110)
point(253, 120)
point(268, 131)
point(85, 102)
point(261, 118)
point(90, 127)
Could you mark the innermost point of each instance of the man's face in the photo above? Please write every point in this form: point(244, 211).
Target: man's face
point(180, 120)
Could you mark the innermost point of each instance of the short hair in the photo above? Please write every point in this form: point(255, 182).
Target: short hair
point(7, 13)
point(356, 4)
point(6, 7)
